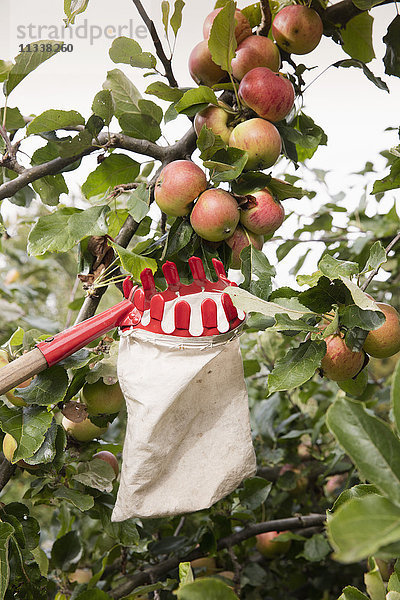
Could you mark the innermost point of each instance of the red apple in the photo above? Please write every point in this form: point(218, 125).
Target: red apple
point(255, 51)
point(239, 240)
point(215, 215)
point(260, 139)
point(12, 276)
point(102, 399)
point(109, 458)
point(297, 29)
point(85, 431)
point(178, 185)
point(335, 483)
point(384, 341)
point(216, 119)
point(202, 68)
point(263, 214)
point(269, 94)
point(269, 546)
point(340, 362)
point(242, 29)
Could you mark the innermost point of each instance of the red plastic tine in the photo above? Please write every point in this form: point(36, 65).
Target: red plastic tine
point(127, 287)
point(197, 269)
point(138, 299)
point(209, 313)
point(149, 287)
point(182, 315)
point(171, 276)
point(229, 308)
point(157, 307)
point(219, 268)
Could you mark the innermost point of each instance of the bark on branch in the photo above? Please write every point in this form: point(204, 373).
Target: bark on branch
point(157, 572)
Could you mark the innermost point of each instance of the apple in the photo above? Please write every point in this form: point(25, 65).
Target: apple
point(297, 29)
point(215, 215)
point(255, 51)
point(9, 447)
point(301, 480)
point(334, 484)
point(216, 119)
point(102, 399)
point(263, 214)
point(384, 341)
point(269, 94)
point(340, 362)
point(260, 139)
point(109, 458)
point(178, 185)
point(80, 576)
point(12, 276)
point(269, 546)
point(206, 565)
point(10, 395)
point(242, 29)
point(85, 431)
point(202, 68)
point(239, 240)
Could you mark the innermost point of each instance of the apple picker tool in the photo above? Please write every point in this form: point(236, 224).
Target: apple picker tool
point(188, 440)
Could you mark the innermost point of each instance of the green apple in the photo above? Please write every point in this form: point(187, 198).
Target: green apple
point(85, 431)
point(102, 399)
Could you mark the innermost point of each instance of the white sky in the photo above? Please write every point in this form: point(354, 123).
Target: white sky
point(351, 110)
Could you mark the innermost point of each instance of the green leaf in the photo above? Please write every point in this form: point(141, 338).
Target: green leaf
point(103, 106)
point(352, 62)
point(51, 120)
point(195, 97)
point(222, 42)
point(321, 297)
point(390, 182)
point(128, 51)
point(357, 38)
point(377, 257)
point(14, 119)
point(352, 593)
point(395, 396)
point(226, 165)
point(125, 95)
point(391, 59)
point(46, 388)
point(164, 91)
point(254, 262)
point(73, 8)
point(185, 573)
point(366, 4)
point(179, 236)
point(250, 303)
point(354, 316)
point(334, 268)
point(369, 442)
point(50, 188)
point(6, 531)
point(96, 474)
point(285, 323)
point(297, 367)
point(209, 143)
point(47, 450)
point(252, 12)
point(26, 62)
point(356, 386)
point(255, 492)
point(357, 491)
point(176, 19)
point(282, 190)
point(206, 588)
point(374, 582)
point(360, 298)
point(114, 170)
point(5, 68)
point(316, 548)
point(81, 501)
point(134, 263)
point(147, 107)
point(27, 426)
point(165, 15)
point(94, 594)
point(140, 126)
point(66, 551)
point(362, 525)
point(63, 229)
point(138, 203)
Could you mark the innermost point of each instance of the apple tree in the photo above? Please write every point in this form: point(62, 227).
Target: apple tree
point(321, 517)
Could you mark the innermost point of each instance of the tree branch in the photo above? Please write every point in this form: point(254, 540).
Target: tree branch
point(159, 571)
point(157, 43)
point(340, 13)
point(6, 472)
point(266, 18)
point(375, 271)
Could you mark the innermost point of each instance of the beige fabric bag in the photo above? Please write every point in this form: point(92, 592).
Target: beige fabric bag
point(188, 440)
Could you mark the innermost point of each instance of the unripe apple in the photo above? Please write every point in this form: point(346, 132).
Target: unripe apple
point(102, 399)
point(264, 214)
point(260, 139)
point(202, 68)
point(178, 185)
point(297, 29)
point(269, 94)
point(242, 29)
point(206, 565)
point(384, 341)
point(109, 458)
point(216, 119)
point(215, 215)
point(255, 51)
point(85, 431)
point(80, 576)
point(239, 240)
point(340, 362)
point(11, 395)
point(269, 546)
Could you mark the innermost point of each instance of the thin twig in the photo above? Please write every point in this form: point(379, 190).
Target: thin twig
point(266, 18)
point(375, 271)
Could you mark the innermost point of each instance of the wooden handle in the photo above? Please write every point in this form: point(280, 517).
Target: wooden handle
point(21, 369)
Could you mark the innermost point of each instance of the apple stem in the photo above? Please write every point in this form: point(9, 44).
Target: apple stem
point(235, 90)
